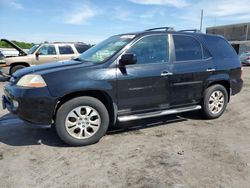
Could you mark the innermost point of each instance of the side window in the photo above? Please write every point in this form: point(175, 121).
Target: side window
point(47, 50)
point(220, 47)
point(151, 49)
point(206, 53)
point(81, 48)
point(65, 49)
point(187, 48)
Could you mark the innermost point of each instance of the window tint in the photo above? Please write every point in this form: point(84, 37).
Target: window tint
point(47, 50)
point(206, 53)
point(66, 49)
point(219, 47)
point(151, 49)
point(81, 48)
point(187, 48)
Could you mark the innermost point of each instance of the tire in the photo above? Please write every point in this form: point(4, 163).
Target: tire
point(16, 68)
point(212, 101)
point(82, 121)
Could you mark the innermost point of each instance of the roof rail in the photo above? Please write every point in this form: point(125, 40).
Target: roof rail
point(161, 28)
point(190, 30)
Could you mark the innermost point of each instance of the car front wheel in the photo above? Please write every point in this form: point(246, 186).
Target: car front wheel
point(82, 121)
point(16, 68)
point(215, 101)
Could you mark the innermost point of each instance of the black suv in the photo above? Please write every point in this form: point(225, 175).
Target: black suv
point(127, 77)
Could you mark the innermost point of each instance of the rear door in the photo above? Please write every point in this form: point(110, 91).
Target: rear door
point(144, 86)
point(66, 52)
point(191, 67)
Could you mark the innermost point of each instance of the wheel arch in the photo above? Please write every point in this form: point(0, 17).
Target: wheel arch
point(223, 82)
point(103, 96)
point(18, 63)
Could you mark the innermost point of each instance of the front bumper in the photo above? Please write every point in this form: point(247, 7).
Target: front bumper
point(32, 105)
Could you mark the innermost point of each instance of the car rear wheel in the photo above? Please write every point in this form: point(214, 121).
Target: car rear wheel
point(82, 121)
point(215, 101)
point(16, 68)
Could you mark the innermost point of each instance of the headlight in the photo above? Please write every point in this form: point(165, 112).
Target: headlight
point(32, 80)
point(2, 63)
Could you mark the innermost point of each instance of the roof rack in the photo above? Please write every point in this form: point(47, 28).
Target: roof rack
point(161, 28)
point(190, 30)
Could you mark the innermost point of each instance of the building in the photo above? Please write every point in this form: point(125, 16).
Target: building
point(238, 35)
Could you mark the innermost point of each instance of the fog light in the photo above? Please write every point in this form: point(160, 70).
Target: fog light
point(15, 103)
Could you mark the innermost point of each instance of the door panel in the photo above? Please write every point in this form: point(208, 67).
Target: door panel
point(141, 87)
point(187, 81)
point(44, 59)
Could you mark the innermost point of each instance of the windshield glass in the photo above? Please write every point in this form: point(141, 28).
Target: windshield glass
point(33, 49)
point(106, 49)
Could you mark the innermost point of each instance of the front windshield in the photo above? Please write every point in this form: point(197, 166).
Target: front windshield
point(33, 49)
point(106, 49)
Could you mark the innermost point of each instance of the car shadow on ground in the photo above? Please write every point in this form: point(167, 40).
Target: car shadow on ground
point(15, 132)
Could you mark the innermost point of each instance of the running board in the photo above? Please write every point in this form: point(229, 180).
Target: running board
point(158, 113)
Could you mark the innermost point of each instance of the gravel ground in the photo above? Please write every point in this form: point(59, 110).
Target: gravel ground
point(172, 151)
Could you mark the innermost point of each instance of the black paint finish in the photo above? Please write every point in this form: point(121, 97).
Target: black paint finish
point(133, 88)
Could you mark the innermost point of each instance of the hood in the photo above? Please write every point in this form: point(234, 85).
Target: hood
point(52, 67)
point(21, 52)
point(10, 60)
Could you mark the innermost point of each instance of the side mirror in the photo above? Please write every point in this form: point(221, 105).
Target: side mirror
point(37, 54)
point(127, 59)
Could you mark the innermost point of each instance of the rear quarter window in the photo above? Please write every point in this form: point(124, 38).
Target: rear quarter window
point(219, 47)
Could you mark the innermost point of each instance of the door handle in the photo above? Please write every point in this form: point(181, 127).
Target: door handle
point(210, 70)
point(166, 73)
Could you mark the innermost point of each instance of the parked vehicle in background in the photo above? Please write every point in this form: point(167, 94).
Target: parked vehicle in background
point(245, 58)
point(42, 53)
point(1, 56)
point(127, 77)
point(2, 62)
point(10, 52)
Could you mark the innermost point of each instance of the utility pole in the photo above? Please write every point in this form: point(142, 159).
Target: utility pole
point(201, 20)
point(247, 30)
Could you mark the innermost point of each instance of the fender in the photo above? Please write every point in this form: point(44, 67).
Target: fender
point(217, 78)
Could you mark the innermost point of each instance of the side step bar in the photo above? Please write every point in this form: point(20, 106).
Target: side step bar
point(158, 113)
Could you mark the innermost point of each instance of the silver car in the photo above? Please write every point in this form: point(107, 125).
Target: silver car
point(245, 58)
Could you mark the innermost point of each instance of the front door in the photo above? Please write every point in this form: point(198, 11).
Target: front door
point(45, 54)
point(144, 86)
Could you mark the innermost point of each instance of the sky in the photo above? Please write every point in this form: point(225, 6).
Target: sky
point(92, 21)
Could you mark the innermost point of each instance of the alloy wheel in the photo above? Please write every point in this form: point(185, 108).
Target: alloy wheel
point(82, 122)
point(216, 102)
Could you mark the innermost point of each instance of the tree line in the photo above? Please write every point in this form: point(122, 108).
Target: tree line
point(23, 45)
